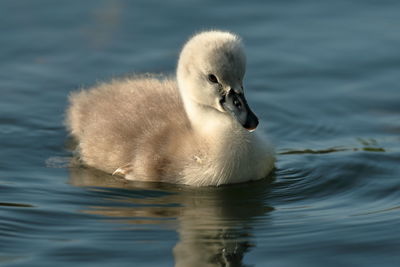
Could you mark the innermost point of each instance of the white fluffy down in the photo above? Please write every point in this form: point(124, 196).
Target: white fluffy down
point(173, 130)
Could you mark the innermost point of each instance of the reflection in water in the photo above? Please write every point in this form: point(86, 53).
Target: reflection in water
point(214, 224)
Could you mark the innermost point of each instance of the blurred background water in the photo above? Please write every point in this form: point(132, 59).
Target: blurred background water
point(324, 78)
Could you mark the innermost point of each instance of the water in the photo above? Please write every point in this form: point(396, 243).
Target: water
point(322, 76)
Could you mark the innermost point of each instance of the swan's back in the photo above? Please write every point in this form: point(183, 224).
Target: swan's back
point(136, 121)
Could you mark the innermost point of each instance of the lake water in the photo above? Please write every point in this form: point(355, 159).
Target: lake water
point(323, 77)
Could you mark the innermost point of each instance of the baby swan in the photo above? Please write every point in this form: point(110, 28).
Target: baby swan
point(195, 130)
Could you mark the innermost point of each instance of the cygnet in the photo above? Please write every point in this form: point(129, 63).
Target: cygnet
point(196, 129)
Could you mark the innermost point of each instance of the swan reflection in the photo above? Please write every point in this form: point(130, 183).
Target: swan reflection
point(214, 224)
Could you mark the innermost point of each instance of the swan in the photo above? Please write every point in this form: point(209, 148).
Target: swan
point(196, 129)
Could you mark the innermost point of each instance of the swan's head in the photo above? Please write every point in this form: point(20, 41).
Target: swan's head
point(210, 73)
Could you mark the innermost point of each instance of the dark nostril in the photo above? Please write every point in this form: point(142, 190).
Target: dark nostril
point(237, 103)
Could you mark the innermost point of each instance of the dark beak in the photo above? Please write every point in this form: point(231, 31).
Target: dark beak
point(236, 105)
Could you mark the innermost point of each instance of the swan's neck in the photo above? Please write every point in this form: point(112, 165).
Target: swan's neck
point(210, 125)
point(208, 121)
point(228, 153)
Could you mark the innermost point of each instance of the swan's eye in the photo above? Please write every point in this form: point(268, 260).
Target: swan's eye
point(212, 78)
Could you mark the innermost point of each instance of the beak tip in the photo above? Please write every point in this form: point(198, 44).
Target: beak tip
point(251, 127)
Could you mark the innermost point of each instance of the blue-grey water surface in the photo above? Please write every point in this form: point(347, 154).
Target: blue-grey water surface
point(323, 77)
